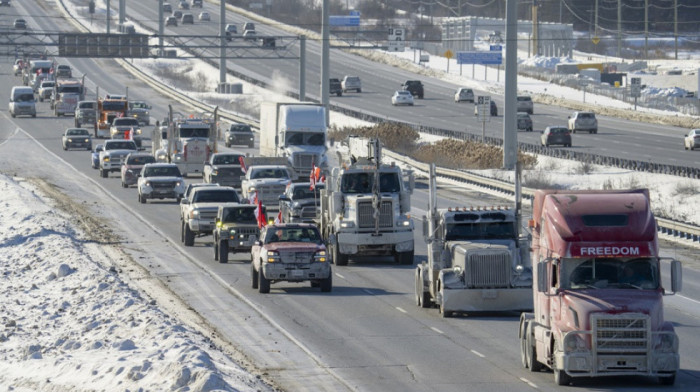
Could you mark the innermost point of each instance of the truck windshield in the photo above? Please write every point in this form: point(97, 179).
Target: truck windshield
point(120, 146)
point(25, 98)
point(162, 171)
point(305, 139)
point(363, 182)
point(240, 215)
point(113, 105)
point(601, 273)
point(70, 90)
point(270, 173)
point(227, 159)
point(293, 234)
point(304, 192)
point(194, 132)
point(216, 196)
point(477, 231)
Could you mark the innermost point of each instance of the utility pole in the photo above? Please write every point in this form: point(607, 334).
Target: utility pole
point(510, 131)
point(222, 32)
point(675, 28)
point(646, 29)
point(122, 12)
point(619, 28)
point(302, 68)
point(161, 28)
point(535, 29)
point(325, 58)
point(108, 16)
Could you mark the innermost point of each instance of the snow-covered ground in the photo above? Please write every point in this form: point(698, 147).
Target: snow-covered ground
point(71, 321)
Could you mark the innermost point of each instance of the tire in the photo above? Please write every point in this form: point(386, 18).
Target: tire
point(359, 90)
point(422, 296)
point(216, 250)
point(227, 144)
point(124, 185)
point(65, 148)
point(668, 381)
point(142, 199)
point(532, 363)
point(445, 313)
point(223, 252)
point(263, 283)
point(182, 231)
point(339, 259)
point(189, 235)
point(253, 276)
point(103, 173)
point(560, 377)
point(573, 130)
point(327, 284)
point(523, 350)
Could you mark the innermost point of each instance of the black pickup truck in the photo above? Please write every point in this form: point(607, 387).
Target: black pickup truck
point(415, 87)
point(336, 87)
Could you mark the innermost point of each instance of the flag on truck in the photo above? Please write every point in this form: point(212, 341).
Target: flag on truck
point(253, 198)
point(314, 176)
point(278, 220)
point(243, 169)
point(260, 215)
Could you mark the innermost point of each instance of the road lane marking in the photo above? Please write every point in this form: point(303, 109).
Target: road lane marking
point(437, 330)
point(401, 310)
point(368, 291)
point(339, 275)
point(478, 354)
point(528, 382)
point(689, 299)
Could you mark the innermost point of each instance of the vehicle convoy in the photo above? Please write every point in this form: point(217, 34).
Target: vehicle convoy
point(239, 134)
point(198, 211)
point(365, 207)
point(35, 72)
point(296, 131)
point(45, 89)
point(301, 204)
point(131, 169)
point(598, 295)
point(477, 259)
point(224, 168)
point(266, 178)
point(107, 110)
point(126, 128)
point(160, 181)
point(191, 141)
point(86, 113)
point(66, 95)
point(236, 229)
point(114, 155)
point(291, 252)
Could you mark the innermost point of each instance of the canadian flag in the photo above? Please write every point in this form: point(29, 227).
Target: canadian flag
point(51, 70)
point(120, 114)
point(129, 134)
point(278, 220)
point(253, 198)
point(243, 169)
point(260, 215)
point(314, 176)
point(38, 71)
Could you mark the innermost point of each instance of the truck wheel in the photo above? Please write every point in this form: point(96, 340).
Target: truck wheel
point(263, 283)
point(532, 363)
point(445, 313)
point(223, 252)
point(339, 258)
point(253, 275)
point(124, 185)
point(142, 199)
point(327, 284)
point(670, 380)
point(103, 173)
point(189, 236)
point(425, 300)
point(560, 377)
point(216, 250)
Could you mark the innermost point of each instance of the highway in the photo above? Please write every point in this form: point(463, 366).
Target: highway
point(366, 335)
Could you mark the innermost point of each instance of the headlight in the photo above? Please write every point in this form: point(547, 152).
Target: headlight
point(105, 159)
point(233, 232)
point(320, 256)
point(87, 140)
point(161, 157)
point(404, 221)
point(138, 131)
point(70, 140)
point(347, 224)
point(178, 183)
point(251, 189)
point(272, 256)
point(194, 214)
point(574, 343)
point(667, 343)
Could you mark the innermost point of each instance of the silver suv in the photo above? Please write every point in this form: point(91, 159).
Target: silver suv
point(351, 83)
point(85, 113)
point(524, 104)
point(583, 121)
point(464, 94)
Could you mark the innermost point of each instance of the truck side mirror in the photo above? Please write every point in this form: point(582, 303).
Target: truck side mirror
point(284, 198)
point(542, 270)
point(425, 227)
point(185, 201)
point(676, 276)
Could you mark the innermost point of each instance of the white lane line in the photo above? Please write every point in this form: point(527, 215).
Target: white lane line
point(478, 354)
point(368, 291)
point(339, 275)
point(528, 382)
point(401, 310)
point(689, 299)
point(437, 330)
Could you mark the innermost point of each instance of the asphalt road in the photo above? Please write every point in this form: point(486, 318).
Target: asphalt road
point(366, 335)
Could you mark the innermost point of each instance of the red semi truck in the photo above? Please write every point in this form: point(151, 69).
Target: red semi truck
point(598, 295)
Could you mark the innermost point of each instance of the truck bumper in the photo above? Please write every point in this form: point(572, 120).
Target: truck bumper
point(486, 300)
point(292, 272)
point(201, 226)
point(187, 168)
point(373, 245)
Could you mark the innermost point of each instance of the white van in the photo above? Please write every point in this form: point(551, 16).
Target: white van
point(22, 102)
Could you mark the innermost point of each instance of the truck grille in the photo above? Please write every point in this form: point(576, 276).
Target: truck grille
point(488, 269)
point(365, 214)
point(296, 257)
point(309, 212)
point(270, 193)
point(206, 215)
point(304, 161)
point(623, 333)
point(161, 185)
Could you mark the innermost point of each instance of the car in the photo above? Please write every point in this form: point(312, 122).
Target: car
point(171, 21)
point(692, 140)
point(160, 181)
point(248, 26)
point(351, 83)
point(197, 3)
point(64, 71)
point(141, 111)
point(95, 156)
point(236, 230)
point(300, 204)
point(187, 19)
point(493, 109)
point(524, 122)
point(230, 31)
point(335, 86)
point(5, 3)
point(292, 252)
point(250, 35)
point(183, 5)
point(167, 7)
point(239, 134)
point(464, 94)
point(415, 87)
point(85, 113)
point(131, 169)
point(224, 168)
point(177, 14)
point(583, 121)
point(76, 138)
point(553, 135)
point(45, 89)
point(18, 66)
point(402, 97)
point(204, 17)
point(524, 104)
point(20, 24)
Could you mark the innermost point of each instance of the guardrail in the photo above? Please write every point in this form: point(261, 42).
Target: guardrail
point(673, 228)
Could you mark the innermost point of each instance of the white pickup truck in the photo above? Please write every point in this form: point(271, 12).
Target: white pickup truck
point(114, 155)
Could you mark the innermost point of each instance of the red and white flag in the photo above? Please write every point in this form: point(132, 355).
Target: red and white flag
point(243, 169)
point(314, 176)
point(129, 134)
point(253, 199)
point(262, 220)
point(38, 71)
point(278, 220)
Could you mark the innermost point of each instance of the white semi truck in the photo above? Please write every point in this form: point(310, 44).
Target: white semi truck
point(296, 131)
point(365, 207)
point(191, 141)
point(477, 260)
